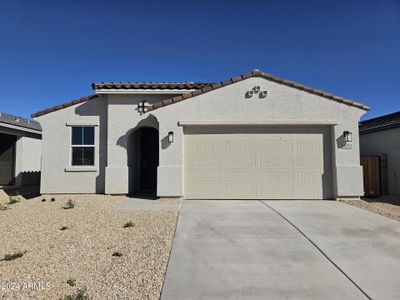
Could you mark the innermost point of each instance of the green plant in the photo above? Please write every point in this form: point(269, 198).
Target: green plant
point(44, 200)
point(53, 199)
point(71, 282)
point(64, 227)
point(13, 201)
point(129, 224)
point(70, 204)
point(2, 207)
point(117, 254)
point(9, 257)
point(80, 295)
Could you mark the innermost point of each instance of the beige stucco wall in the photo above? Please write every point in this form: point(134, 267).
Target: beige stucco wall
point(57, 175)
point(114, 117)
point(283, 105)
point(385, 142)
point(28, 152)
point(117, 118)
point(27, 160)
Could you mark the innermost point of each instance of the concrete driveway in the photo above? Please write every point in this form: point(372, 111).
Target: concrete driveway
point(283, 250)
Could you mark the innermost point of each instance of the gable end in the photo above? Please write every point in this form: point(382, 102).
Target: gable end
point(257, 73)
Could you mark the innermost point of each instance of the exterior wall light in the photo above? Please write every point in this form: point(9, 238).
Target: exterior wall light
point(170, 137)
point(347, 136)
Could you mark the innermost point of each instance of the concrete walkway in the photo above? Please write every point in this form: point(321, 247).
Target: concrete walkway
point(149, 204)
point(282, 250)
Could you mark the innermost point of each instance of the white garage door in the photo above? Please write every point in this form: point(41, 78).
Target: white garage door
point(257, 163)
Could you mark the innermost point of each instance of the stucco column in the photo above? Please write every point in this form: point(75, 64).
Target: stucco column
point(170, 173)
point(18, 161)
point(116, 171)
point(349, 173)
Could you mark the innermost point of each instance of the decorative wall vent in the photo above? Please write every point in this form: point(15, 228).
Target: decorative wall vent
point(256, 90)
point(142, 107)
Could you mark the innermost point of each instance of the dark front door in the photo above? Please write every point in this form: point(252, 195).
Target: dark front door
point(7, 144)
point(148, 158)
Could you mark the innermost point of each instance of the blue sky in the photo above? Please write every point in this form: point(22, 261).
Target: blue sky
point(51, 51)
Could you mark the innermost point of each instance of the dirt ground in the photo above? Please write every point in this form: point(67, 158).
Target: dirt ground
point(83, 253)
point(388, 205)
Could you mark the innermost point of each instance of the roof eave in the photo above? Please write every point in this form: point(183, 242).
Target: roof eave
point(379, 128)
point(257, 73)
point(64, 105)
point(143, 91)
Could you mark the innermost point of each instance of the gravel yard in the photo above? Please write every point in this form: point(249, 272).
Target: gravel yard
point(388, 206)
point(84, 251)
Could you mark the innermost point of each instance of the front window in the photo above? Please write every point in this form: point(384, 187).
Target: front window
point(82, 144)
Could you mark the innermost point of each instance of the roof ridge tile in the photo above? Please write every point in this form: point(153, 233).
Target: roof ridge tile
point(258, 73)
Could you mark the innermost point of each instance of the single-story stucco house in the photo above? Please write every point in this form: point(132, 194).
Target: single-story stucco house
point(380, 138)
point(255, 136)
point(20, 151)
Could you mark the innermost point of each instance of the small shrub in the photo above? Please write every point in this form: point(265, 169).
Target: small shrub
point(2, 207)
point(70, 204)
point(13, 201)
point(117, 254)
point(64, 228)
point(129, 224)
point(71, 282)
point(9, 257)
point(44, 200)
point(53, 199)
point(80, 295)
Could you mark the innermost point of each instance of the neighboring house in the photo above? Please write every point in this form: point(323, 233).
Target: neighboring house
point(381, 137)
point(20, 150)
point(254, 136)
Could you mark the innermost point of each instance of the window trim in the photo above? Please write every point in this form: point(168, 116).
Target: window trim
point(82, 168)
point(83, 124)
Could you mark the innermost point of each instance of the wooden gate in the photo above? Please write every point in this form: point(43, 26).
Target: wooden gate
point(372, 175)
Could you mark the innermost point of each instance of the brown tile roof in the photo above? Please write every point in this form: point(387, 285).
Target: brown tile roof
point(257, 73)
point(64, 105)
point(124, 85)
point(201, 88)
point(150, 85)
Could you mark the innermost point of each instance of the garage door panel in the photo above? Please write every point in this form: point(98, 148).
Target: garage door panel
point(261, 176)
point(291, 162)
point(210, 175)
point(257, 163)
point(205, 161)
point(236, 161)
point(243, 191)
point(308, 146)
point(239, 175)
point(207, 190)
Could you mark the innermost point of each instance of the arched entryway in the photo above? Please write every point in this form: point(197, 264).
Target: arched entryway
point(143, 161)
